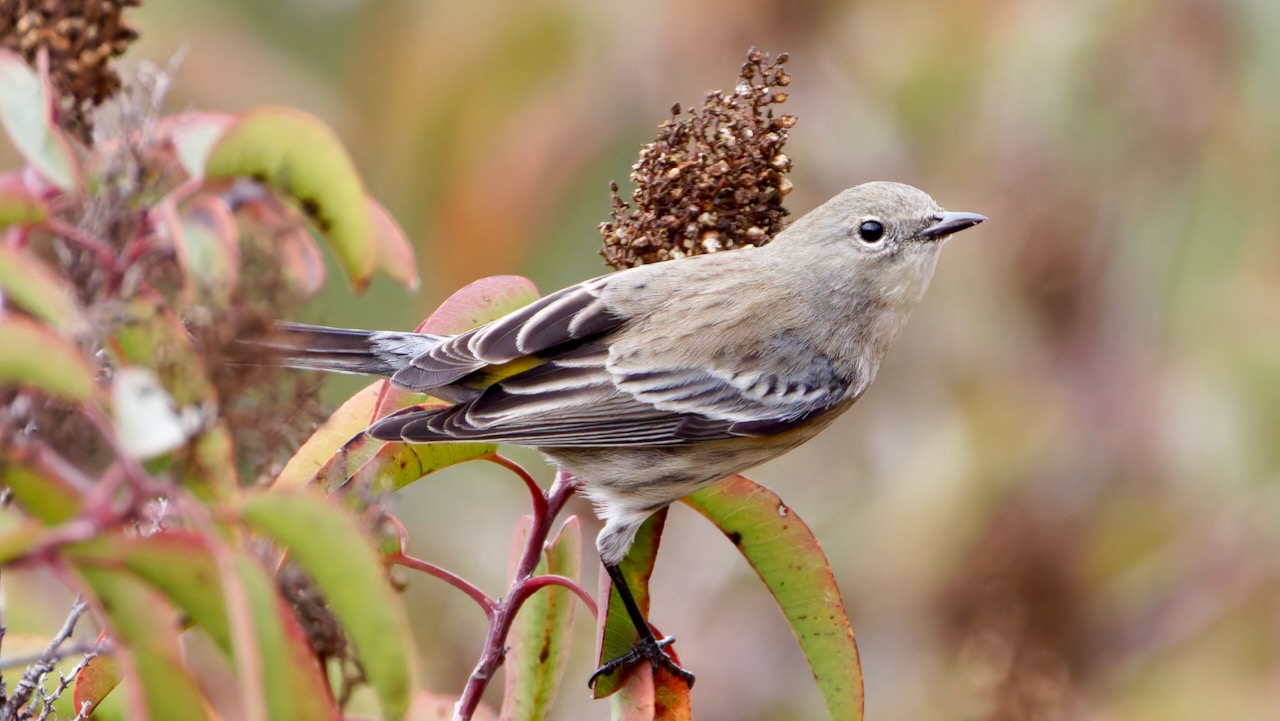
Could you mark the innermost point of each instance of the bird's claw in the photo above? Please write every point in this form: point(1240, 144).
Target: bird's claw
point(646, 649)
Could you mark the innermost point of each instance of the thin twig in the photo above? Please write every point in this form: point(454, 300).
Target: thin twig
point(449, 577)
point(64, 681)
point(47, 661)
point(531, 585)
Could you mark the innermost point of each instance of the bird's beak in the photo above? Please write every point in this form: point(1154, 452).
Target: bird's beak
point(947, 223)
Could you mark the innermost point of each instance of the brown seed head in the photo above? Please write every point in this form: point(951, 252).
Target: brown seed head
point(713, 178)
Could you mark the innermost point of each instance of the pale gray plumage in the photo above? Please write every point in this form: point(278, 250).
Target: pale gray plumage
point(652, 382)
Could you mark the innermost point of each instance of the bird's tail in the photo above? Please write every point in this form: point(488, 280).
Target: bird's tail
point(336, 350)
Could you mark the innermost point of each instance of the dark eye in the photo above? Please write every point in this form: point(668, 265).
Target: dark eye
point(871, 231)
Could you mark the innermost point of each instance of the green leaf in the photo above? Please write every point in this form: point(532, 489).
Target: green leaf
point(396, 465)
point(331, 546)
point(39, 491)
point(785, 554)
point(18, 204)
point(299, 156)
point(291, 677)
point(540, 636)
point(28, 283)
point(181, 566)
point(26, 112)
point(148, 334)
point(145, 631)
point(208, 245)
point(20, 540)
point(58, 369)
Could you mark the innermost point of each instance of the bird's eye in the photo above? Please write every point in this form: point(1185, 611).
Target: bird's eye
point(871, 231)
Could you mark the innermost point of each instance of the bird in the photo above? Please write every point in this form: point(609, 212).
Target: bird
point(652, 382)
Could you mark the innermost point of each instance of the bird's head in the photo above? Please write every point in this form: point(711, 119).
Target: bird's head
point(879, 236)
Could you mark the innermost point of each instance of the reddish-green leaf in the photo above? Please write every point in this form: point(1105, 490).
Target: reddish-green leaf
point(26, 112)
point(650, 695)
point(96, 680)
point(331, 546)
point(539, 639)
point(20, 540)
point(784, 552)
point(18, 204)
point(182, 567)
point(324, 456)
point(145, 633)
point(39, 484)
point(28, 283)
point(58, 369)
point(193, 135)
point(480, 302)
point(395, 254)
point(396, 465)
point(208, 245)
point(299, 156)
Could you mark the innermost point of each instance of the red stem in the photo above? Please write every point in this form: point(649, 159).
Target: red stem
point(84, 240)
point(536, 495)
point(504, 612)
point(453, 579)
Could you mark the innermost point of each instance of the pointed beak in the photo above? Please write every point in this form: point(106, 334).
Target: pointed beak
point(947, 223)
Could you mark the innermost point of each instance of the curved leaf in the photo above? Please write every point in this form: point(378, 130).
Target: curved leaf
point(784, 552)
point(208, 245)
point(145, 630)
point(39, 484)
point(330, 545)
point(299, 156)
point(28, 283)
point(396, 465)
point(193, 135)
point(58, 369)
point(540, 636)
point(18, 204)
point(26, 111)
point(97, 679)
point(181, 566)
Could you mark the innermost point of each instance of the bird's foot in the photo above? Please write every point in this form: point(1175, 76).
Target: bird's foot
point(646, 649)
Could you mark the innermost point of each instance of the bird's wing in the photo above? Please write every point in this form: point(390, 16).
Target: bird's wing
point(564, 317)
point(595, 395)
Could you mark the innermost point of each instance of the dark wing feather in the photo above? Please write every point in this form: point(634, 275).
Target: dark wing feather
point(581, 398)
point(566, 316)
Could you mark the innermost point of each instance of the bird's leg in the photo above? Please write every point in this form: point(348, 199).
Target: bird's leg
point(648, 647)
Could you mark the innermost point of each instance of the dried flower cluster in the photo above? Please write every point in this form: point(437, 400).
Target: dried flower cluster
point(714, 179)
point(80, 37)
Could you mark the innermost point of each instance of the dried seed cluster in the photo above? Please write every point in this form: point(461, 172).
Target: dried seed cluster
point(714, 178)
point(81, 37)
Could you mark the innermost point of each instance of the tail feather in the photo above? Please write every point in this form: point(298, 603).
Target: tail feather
point(337, 350)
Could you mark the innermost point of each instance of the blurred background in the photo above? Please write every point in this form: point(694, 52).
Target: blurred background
point(1061, 500)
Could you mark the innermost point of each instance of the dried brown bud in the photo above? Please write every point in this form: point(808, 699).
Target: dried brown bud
point(81, 38)
point(713, 178)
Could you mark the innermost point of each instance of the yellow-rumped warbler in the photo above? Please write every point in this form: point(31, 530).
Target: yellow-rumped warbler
point(650, 383)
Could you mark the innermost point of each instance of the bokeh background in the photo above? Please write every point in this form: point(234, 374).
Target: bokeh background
point(1061, 500)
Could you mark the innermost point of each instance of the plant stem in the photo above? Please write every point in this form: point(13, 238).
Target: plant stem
point(505, 610)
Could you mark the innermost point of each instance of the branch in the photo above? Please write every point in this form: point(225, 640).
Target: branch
point(44, 663)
